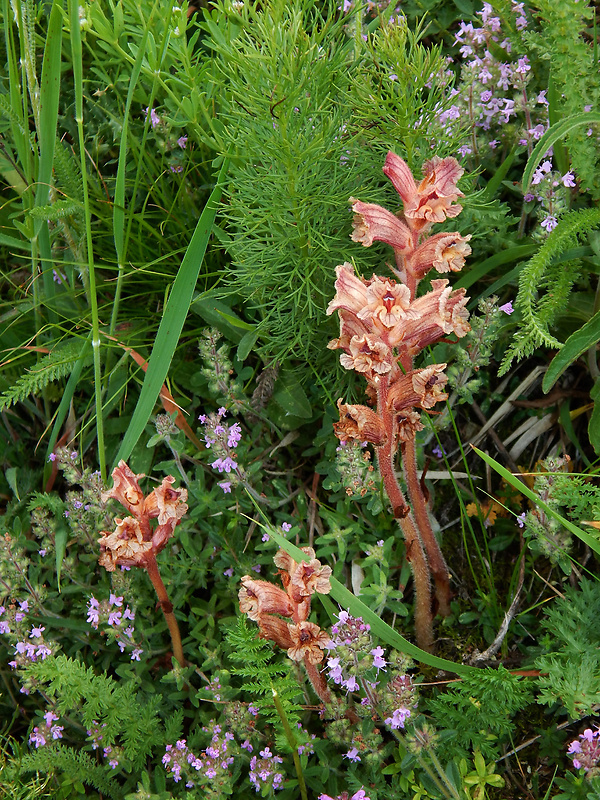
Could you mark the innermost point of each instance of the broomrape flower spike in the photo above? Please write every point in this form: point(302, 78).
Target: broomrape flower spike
point(266, 604)
point(135, 543)
point(383, 326)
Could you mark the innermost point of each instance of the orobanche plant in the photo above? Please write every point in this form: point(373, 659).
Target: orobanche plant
point(383, 326)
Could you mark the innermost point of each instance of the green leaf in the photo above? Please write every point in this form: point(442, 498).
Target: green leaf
point(577, 343)
point(171, 324)
point(246, 345)
point(552, 135)
point(594, 423)
point(219, 315)
point(291, 397)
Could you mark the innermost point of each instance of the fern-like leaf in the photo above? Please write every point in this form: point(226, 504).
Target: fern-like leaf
point(57, 364)
point(255, 659)
point(77, 764)
point(540, 312)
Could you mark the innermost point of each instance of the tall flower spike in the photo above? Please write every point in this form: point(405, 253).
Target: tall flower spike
point(383, 325)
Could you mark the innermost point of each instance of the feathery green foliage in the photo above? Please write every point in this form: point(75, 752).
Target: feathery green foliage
point(117, 705)
point(263, 676)
point(479, 709)
point(55, 365)
point(570, 669)
point(544, 286)
point(78, 765)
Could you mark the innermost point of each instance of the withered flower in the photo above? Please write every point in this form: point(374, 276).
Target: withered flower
point(420, 387)
point(360, 423)
point(407, 424)
point(262, 597)
point(309, 642)
point(125, 545)
point(166, 503)
point(126, 489)
point(276, 630)
point(367, 354)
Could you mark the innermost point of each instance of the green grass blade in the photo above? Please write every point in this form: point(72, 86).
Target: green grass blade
point(49, 95)
point(171, 325)
point(591, 541)
point(119, 200)
point(587, 336)
point(552, 135)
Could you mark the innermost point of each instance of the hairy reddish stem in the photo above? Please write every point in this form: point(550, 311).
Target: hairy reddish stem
point(167, 608)
point(414, 548)
point(437, 562)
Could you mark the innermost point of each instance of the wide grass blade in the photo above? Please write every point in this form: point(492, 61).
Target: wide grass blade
point(172, 321)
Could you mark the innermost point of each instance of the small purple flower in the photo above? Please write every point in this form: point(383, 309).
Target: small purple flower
point(154, 118)
point(228, 572)
point(438, 451)
point(4, 626)
point(182, 142)
point(115, 601)
point(286, 527)
point(568, 180)
point(36, 633)
point(549, 223)
point(378, 660)
point(464, 150)
point(507, 308)
point(398, 717)
point(521, 519)
point(114, 618)
point(224, 464)
point(352, 755)
point(226, 486)
point(135, 654)
point(52, 457)
point(523, 66)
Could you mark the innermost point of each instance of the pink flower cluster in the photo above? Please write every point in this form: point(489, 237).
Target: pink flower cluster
point(43, 733)
point(112, 613)
point(586, 750)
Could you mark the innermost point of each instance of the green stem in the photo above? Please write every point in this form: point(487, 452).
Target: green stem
point(92, 295)
point(289, 735)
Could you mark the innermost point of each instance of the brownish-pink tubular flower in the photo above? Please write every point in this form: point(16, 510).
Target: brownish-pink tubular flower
point(373, 223)
point(276, 630)
point(440, 312)
point(388, 303)
point(419, 387)
point(124, 546)
point(166, 503)
point(433, 199)
point(359, 423)
point(445, 252)
point(369, 355)
point(126, 489)
point(305, 577)
point(262, 597)
point(308, 642)
point(351, 291)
